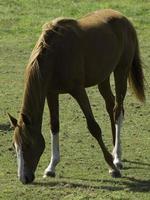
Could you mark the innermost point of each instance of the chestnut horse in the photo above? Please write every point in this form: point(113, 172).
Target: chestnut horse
point(69, 56)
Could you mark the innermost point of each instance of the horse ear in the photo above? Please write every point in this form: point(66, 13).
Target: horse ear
point(13, 121)
point(26, 119)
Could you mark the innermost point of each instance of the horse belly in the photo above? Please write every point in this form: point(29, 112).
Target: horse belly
point(98, 72)
point(101, 57)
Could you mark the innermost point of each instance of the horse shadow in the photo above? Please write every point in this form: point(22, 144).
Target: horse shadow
point(136, 164)
point(126, 183)
point(130, 184)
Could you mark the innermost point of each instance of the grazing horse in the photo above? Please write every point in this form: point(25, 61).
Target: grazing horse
point(69, 56)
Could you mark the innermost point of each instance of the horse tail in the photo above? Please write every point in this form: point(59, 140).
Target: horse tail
point(136, 76)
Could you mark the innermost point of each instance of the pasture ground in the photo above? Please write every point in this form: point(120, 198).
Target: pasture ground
point(82, 173)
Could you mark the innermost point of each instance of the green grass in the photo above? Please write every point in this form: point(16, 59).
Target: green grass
point(82, 172)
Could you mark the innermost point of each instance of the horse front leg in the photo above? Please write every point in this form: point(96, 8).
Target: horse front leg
point(53, 105)
point(120, 77)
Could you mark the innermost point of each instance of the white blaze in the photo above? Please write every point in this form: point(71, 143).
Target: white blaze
point(20, 161)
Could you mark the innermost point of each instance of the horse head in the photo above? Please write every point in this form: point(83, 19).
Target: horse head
point(29, 145)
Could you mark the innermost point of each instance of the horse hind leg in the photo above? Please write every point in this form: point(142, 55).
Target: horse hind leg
point(82, 99)
point(117, 151)
point(106, 92)
point(120, 77)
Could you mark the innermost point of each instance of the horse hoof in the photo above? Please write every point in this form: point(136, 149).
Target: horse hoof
point(115, 173)
point(49, 174)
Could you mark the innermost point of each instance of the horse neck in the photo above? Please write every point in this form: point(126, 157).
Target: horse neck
point(34, 98)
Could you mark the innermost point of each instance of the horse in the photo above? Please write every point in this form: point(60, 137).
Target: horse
point(69, 56)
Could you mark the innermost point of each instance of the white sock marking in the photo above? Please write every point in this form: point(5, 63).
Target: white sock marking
point(117, 148)
point(55, 154)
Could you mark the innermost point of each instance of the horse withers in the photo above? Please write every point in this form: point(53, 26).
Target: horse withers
point(69, 56)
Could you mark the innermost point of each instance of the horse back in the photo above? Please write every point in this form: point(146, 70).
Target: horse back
point(108, 38)
point(89, 49)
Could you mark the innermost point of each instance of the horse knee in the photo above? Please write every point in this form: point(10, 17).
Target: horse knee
point(94, 128)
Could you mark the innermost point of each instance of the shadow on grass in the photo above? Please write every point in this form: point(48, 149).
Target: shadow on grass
point(125, 183)
point(138, 164)
point(128, 184)
point(4, 128)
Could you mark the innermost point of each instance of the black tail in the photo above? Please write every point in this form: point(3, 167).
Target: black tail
point(136, 76)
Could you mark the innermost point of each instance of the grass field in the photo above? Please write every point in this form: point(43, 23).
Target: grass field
point(82, 173)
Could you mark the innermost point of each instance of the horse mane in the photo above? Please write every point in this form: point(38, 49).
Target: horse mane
point(33, 75)
point(49, 40)
point(49, 29)
point(40, 45)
